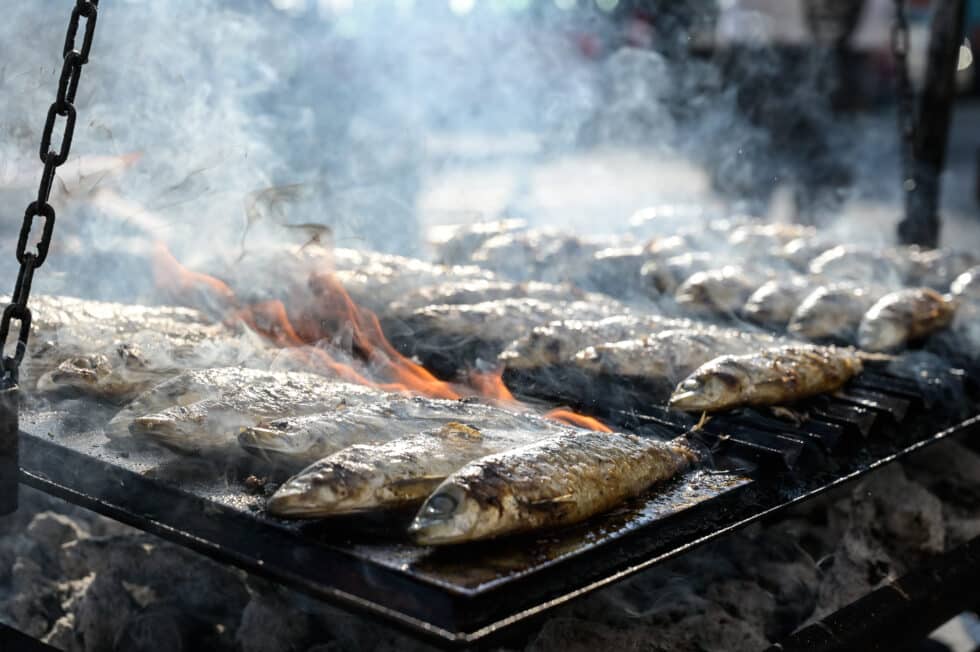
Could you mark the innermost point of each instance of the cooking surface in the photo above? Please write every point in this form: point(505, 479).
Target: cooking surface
point(457, 593)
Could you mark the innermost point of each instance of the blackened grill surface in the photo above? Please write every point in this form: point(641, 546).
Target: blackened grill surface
point(461, 594)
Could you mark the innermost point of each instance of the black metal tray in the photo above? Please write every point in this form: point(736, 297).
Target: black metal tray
point(455, 595)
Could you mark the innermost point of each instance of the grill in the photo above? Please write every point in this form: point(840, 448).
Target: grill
point(761, 464)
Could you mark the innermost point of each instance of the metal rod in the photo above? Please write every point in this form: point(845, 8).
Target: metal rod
point(9, 450)
point(921, 224)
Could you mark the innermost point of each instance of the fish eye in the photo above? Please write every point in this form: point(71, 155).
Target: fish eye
point(691, 384)
point(441, 505)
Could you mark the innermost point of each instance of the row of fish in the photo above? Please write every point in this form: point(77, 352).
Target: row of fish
point(475, 471)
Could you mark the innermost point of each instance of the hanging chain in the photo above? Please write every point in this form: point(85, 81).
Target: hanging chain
point(906, 98)
point(85, 11)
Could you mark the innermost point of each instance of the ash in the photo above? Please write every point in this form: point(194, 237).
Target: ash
point(79, 581)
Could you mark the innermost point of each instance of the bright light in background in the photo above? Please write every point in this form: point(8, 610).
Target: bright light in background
point(461, 7)
point(966, 56)
point(519, 5)
point(289, 5)
point(565, 4)
point(607, 5)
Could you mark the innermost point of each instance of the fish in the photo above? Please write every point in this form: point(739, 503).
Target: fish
point(616, 271)
point(555, 482)
point(64, 327)
point(558, 341)
point(938, 268)
point(203, 410)
point(447, 338)
point(454, 244)
point(479, 290)
point(395, 475)
point(833, 312)
point(801, 251)
point(769, 377)
point(663, 276)
point(967, 285)
point(538, 255)
point(774, 302)
point(766, 239)
point(716, 292)
point(668, 355)
point(903, 316)
point(890, 267)
point(301, 440)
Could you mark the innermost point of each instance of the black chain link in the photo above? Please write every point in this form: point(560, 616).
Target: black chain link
point(63, 107)
point(906, 97)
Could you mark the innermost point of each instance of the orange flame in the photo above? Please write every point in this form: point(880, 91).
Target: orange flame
point(328, 310)
point(575, 419)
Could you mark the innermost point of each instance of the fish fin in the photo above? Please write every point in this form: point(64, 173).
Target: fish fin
point(703, 421)
point(867, 356)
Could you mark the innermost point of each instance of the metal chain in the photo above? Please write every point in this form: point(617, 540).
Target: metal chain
point(906, 97)
point(63, 107)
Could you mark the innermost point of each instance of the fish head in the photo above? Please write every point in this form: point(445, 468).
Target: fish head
point(86, 372)
point(325, 488)
point(198, 427)
point(881, 334)
point(711, 387)
point(451, 515)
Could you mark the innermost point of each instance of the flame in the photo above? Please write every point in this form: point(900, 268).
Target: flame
point(575, 419)
point(328, 311)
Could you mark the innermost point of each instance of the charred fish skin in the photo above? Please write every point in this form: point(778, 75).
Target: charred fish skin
point(392, 475)
point(203, 409)
point(552, 483)
point(771, 377)
point(903, 316)
point(470, 291)
point(669, 355)
point(833, 312)
point(301, 440)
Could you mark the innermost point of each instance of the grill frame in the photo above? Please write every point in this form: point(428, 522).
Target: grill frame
point(438, 612)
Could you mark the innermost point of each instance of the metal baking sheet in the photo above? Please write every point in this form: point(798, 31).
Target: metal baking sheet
point(455, 595)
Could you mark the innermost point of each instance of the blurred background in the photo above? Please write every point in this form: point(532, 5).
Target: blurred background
point(245, 120)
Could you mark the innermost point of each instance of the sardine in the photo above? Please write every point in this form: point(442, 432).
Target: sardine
point(65, 327)
point(617, 272)
point(668, 355)
point(481, 290)
point(205, 409)
point(393, 475)
point(833, 312)
point(559, 341)
point(775, 302)
point(770, 377)
point(766, 239)
point(555, 482)
point(903, 316)
point(360, 419)
point(455, 243)
point(663, 276)
point(863, 265)
point(538, 255)
point(716, 292)
point(447, 337)
point(937, 268)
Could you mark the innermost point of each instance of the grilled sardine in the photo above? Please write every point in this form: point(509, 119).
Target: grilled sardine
point(863, 265)
point(558, 481)
point(663, 276)
point(205, 409)
point(833, 312)
point(668, 355)
point(360, 419)
point(774, 303)
point(903, 316)
point(716, 292)
point(559, 341)
point(771, 377)
point(396, 474)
